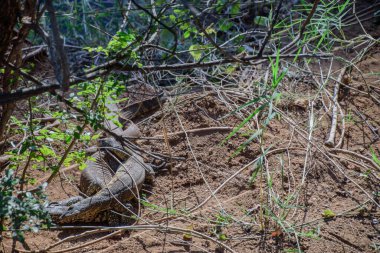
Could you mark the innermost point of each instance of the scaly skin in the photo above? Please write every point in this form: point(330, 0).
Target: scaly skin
point(140, 108)
point(106, 184)
point(98, 173)
point(123, 187)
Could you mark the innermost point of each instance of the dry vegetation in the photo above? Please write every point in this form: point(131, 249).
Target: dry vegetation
point(260, 155)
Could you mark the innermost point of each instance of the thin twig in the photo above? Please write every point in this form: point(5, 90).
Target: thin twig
point(330, 142)
point(207, 130)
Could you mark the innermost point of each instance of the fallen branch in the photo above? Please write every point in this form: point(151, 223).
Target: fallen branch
point(40, 50)
point(198, 131)
point(344, 151)
point(374, 130)
point(331, 139)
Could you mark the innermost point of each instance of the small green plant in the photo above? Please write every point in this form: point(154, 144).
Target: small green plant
point(312, 233)
point(83, 99)
point(21, 210)
point(366, 173)
point(264, 105)
point(328, 214)
point(277, 73)
point(121, 43)
point(222, 237)
point(348, 117)
point(39, 149)
point(255, 172)
point(222, 220)
point(188, 237)
point(157, 208)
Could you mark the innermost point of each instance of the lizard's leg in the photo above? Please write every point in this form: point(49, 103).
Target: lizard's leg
point(59, 208)
point(121, 214)
point(151, 169)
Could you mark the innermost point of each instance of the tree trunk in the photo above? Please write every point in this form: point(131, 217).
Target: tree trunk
point(11, 43)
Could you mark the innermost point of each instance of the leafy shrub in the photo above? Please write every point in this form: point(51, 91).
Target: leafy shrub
point(21, 210)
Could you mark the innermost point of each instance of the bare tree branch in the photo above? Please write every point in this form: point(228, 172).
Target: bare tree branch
point(24, 93)
point(270, 31)
point(56, 51)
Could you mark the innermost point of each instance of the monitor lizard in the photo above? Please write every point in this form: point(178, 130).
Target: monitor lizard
point(111, 178)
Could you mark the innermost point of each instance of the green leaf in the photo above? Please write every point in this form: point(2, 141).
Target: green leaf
point(245, 144)
point(25, 145)
point(196, 51)
point(261, 20)
point(255, 172)
point(82, 166)
point(68, 138)
point(223, 237)
point(224, 26)
point(187, 34)
point(253, 101)
point(374, 157)
point(172, 17)
point(245, 121)
point(76, 135)
point(235, 9)
point(46, 151)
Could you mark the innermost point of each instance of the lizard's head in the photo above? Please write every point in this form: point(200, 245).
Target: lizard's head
point(56, 211)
